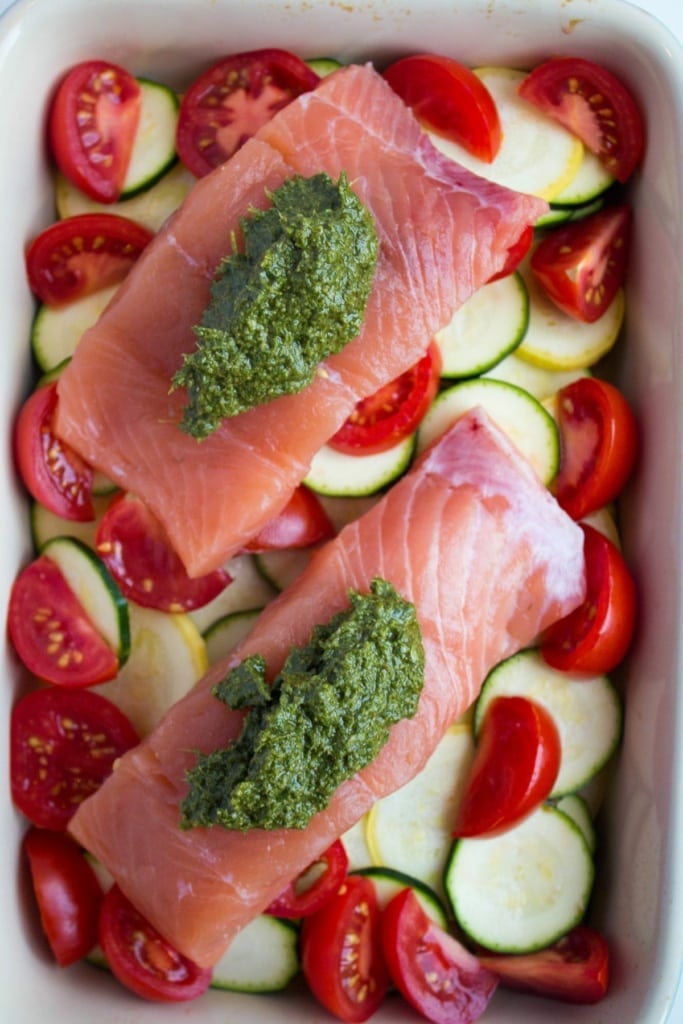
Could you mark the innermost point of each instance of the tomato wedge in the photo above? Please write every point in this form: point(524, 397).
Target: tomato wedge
point(450, 99)
point(313, 887)
point(230, 101)
point(515, 766)
point(133, 545)
point(575, 969)
point(83, 254)
point(598, 445)
point(92, 124)
point(595, 105)
point(68, 894)
point(52, 472)
point(582, 265)
point(381, 420)
point(302, 522)
point(432, 970)
point(51, 632)
point(63, 745)
point(595, 637)
point(141, 959)
point(341, 955)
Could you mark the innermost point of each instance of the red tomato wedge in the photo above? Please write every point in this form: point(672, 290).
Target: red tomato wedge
point(575, 969)
point(382, 420)
point(515, 766)
point(141, 959)
point(581, 266)
point(341, 955)
point(595, 637)
point(450, 99)
point(302, 522)
point(92, 124)
point(83, 254)
point(598, 445)
point(68, 894)
point(53, 473)
point(593, 104)
point(134, 547)
point(432, 970)
point(63, 745)
point(51, 632)
point(230, 101)
point(315, 886)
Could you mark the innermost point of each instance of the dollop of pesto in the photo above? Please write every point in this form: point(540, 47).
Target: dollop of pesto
point(295, 295)
point(325, 717)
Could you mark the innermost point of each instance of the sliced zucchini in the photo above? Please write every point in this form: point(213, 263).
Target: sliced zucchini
point(263, 957)
point(540, 383)
point(57, 330)
point(280, 568)
point(485, 329)
point(45, 525)
point(557, 215)
point(323, 65)
point(154, 149)
point(248, 590)
point(590, 183)
point(522, 890)
point(355, 844)
point(388, 883)
point(604, 522)
point(528, 425)
point(586, 710)
point(576, 807)
point(95, 588)
point(335, 473)
point(223, 636)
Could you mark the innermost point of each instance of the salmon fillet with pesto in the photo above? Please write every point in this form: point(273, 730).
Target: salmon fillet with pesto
point(488, 559)
point(443, 232)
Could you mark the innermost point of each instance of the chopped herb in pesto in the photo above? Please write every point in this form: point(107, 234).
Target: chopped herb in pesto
point(325, 717)
point(295, 295)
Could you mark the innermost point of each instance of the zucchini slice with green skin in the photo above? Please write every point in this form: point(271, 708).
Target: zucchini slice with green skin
point(388, 883)
point(57, 330)
point(247, 591)
point(323, 65)
point(154, 148)
point(45, 525)
point(540, 383)
point(524, 889)
point(577, 809)
point(351, 476)
point(590, 183)
point(263, 957)
point(586, 711)
point(223, 636)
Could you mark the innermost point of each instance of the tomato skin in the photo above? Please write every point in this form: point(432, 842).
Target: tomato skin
point(516, 253)
point(595, 637)
point(133, 545)
point(83, 254)
point(593, 104)
point(230, 101)
point(575, 969)
point(302, 522)
point(141, 958)
point(294, 902)
point(598, 445)
point(341, 955)
point(450, 99)
point(63, 745)
point(381, 420)
point(68, 894)
point(433, 971)
point(92, 123)
point(515, 766)
point(581, 265)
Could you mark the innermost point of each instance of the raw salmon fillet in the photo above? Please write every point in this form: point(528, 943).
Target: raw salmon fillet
point(488, 558)
point(443, 232)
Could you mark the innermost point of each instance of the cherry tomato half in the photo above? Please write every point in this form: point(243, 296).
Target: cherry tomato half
point(83, 254)
point(432, 970)
point(92, 124)
point(515, 766)
point(593, 104)
point(141, 959)
point(598, 445)
point(575, 969)
point(596, 636)
point(63, 745)
point(230, 101)
point(53, 473)
point(582, 265)
point(382, 420)
point(133, 545)
point(68, 894)
point(450, 99)
point(341, 955)
point(313, 887)
point(302, 522)
point(51, 632)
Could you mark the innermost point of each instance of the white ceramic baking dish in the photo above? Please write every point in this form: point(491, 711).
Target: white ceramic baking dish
point(639, 894)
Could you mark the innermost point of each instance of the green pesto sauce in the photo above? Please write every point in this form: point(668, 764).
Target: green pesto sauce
point(295, 295)
point(325, 717)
